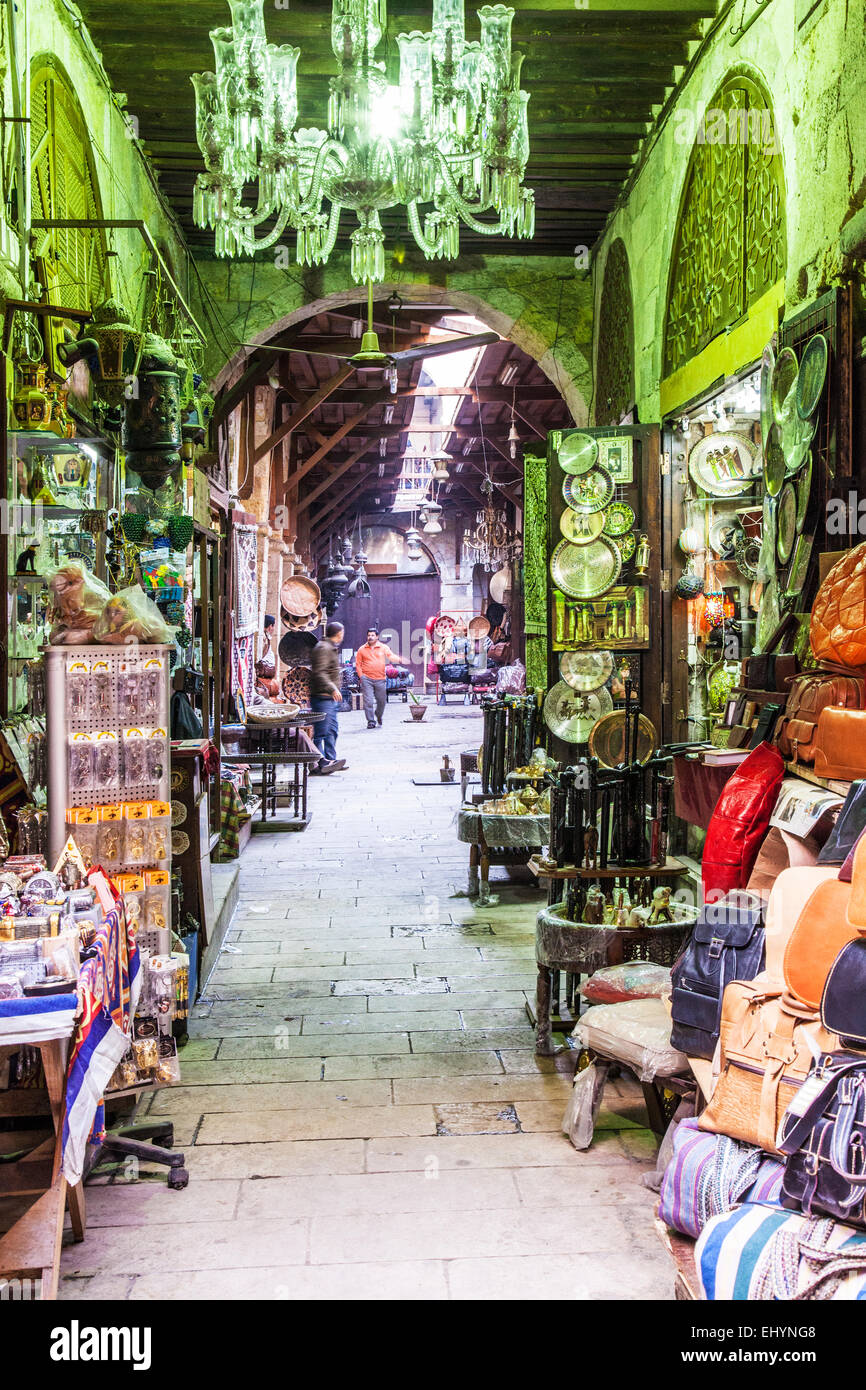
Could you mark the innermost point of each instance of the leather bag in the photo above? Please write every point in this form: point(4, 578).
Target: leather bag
point(810, 693)
point(849, 826)
point(768, 1042)
point(821, 930)
point(840, 743)
point(740, 820)
point(766, 726)
point(727, 943)
point(773, 669)
point(823, 1133)
point(838, 629)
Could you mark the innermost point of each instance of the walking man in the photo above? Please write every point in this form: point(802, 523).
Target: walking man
point(370, 662)
point(325, 695)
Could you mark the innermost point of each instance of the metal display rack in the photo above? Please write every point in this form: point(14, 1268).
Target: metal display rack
point(118, 660)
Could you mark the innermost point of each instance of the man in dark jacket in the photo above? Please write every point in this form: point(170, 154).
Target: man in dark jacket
point(325, 695)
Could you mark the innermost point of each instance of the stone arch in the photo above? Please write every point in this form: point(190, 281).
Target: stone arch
point(614, 394)
point(558, 359)
point(729, 245)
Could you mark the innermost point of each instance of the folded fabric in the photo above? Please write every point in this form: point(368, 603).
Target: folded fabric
point(636, 1032)
point(710, 1174)
point(37, 1020)
point(760, 1252)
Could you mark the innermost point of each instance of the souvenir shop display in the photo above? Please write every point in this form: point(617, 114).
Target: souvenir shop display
point(511, 732)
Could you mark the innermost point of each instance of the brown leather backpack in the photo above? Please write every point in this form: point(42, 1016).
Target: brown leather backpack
point(811, 692)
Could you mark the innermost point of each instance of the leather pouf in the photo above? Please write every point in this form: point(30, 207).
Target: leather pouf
point(740, 820)
point(838, 628)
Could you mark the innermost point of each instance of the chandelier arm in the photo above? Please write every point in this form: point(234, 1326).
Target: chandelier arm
point(333, 229)
point(431, 249)
point(312, 203)
point(465, 209)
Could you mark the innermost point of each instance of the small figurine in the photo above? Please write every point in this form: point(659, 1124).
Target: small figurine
point(590, 847)
point(661, 907)
point(26, 562)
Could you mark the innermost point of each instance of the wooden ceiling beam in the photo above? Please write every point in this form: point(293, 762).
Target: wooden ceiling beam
point(331, 478)
point(347, 427)
point(299, 416)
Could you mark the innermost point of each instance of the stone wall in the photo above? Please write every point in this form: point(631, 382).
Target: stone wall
point(540, 302)
point(812, 62)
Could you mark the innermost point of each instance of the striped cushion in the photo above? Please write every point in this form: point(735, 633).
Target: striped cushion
point(709, 1174)
point(756, 1252)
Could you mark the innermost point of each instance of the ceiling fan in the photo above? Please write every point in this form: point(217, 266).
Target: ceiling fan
point(370, 353)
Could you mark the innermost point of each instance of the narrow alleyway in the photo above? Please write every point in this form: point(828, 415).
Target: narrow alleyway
point(361, 1106)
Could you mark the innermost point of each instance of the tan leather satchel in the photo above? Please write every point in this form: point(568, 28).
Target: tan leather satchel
point(766, 1056)
point(840, 743)
point(811, 693)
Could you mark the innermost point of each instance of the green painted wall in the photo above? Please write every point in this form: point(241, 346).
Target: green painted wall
point(813, 64)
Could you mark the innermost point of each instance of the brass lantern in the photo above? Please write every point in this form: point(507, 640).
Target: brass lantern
point(114, 344)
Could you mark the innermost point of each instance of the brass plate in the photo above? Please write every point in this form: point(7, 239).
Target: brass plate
point(571, 714)
point(585, 670)
point(618, 519)
point(774, 461)
point(812, 375)
point(786, 523)
point(784, 376)
point(768, 362)
point(722, 464)
point(804, 488)
point(607, 740)
point(585, 571)
point(581, 528)
point(578, 453)
point(589, 493)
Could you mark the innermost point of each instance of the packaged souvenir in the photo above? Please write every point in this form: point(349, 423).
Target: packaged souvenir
point(78, 690)
point(106, 760)
point(134, 758)
point(101, 693)
point(110, 838)
point(82, 823)
point(128, 615)
point(81, 752)
point(157, 754)
point(136, 816)
point(128, 684)
point(160, 831)
point(79, 598)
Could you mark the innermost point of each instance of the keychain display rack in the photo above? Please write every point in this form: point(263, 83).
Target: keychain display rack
point(107, 706)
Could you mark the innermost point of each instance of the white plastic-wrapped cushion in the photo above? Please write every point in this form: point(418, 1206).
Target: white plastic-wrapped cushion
point(637, 1032)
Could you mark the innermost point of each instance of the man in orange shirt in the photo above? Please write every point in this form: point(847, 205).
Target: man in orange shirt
point(370, 663)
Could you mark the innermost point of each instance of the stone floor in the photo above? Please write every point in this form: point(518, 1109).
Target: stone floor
point(361, 1106)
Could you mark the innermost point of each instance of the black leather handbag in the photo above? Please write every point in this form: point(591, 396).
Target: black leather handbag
point(823, 1132)
point(727, 943)
point(849, 826)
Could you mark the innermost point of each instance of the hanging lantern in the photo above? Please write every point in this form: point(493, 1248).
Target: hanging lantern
point(441, 459)
point(151, 422)
point(432, 528)
point(113, 346)
point(729, 609)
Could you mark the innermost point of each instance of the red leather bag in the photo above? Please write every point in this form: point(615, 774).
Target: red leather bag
point(740, 820)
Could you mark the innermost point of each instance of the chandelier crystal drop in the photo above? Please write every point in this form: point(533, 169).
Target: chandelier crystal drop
point(449, 141)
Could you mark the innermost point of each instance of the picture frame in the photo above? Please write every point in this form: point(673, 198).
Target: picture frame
point(616, 454)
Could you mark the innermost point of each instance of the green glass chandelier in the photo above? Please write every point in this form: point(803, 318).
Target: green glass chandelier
point(450, 141)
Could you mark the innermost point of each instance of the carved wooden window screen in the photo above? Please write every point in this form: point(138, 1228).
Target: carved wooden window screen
point(730, 243)
point(615, 392)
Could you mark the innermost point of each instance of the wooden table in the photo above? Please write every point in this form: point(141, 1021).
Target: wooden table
point(30, 1250)
point(575, 960)
point(269, 746)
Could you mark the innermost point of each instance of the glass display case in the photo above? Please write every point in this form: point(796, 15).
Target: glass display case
point(58, 493)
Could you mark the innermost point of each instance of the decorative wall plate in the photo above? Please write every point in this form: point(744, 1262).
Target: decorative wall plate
point(578, 453)
point(585, 671)
point(607, 739)
point(296, 686)
point(799, 565)
point(768, 615)
point(784, 376)
point(804, 488)
point(626, 545)
point(179, 842)
point(722, 464)
point(786, 523)
point(443, 626)
point(724, 533)
point(500, 586)
point(478, 627)
point(796, 434)
point(812, 375)
point(581, 528)
point(300, 596)
point(774, 461)
point(179, 813)
point(618, 518)
point(589, 493)
point(570, 714)
point(585, 571)
point(747, 553)
point(768, 362)
point(179, 779)
point(296, 647)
